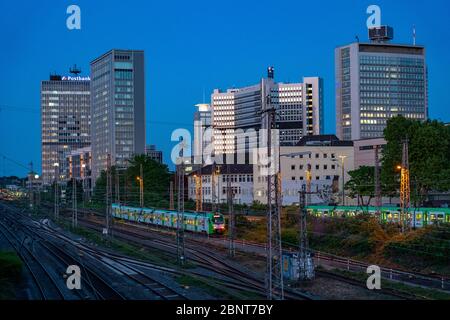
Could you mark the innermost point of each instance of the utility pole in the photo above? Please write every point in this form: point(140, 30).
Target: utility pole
point(274, 272)
point(171, 203)
point(343, 178)
point(180, 216)
point(108, 195)
point(30, 185)
point(377, 181)
point(231, 217)
point(215, 170)
point(308, 184)
point(74, 203)
point(306, 263)
point(56, 204)
point(83, 181)
point(405, 188)
point(117, 187)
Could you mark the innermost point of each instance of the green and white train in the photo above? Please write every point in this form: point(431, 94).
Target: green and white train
point(198, 222)
point(419, 217)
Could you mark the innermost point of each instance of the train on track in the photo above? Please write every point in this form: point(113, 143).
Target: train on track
point(418, 217)
point(197, 222)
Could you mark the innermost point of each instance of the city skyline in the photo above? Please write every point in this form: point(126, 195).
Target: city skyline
point(170, 68)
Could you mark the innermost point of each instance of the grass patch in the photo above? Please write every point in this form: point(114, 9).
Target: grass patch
point(10, 274)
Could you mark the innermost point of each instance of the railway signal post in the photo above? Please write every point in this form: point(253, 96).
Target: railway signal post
point(306, 261)
point(274, 272)
point(108, 193)
point(180, 216)
point(171, 202)
point(74, 203)
point(377, 180)
point(405, 188)
point(231, 217)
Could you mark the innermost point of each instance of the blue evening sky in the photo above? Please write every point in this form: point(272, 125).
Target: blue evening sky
point(192, 47)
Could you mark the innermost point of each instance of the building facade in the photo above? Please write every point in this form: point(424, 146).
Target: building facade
point(79, 164)
point(118, 108)
point(322, 157)
point(375, 82)
point(241, 177)
point(154, 154)
point(365, 152)
point(202, 130)
point(65, 122)
point(235, 112)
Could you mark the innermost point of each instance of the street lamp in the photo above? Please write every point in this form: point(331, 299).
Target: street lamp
point(141, 191)
point(83, 181)
point(56, 204)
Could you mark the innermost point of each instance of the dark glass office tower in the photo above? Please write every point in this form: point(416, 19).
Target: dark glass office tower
point(118, 108)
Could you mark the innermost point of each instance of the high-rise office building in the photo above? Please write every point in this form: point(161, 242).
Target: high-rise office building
point(65, 121)
point(299, 108)
point(376, 81)
point(154, 154)
point(118, 108)
point(202, 129)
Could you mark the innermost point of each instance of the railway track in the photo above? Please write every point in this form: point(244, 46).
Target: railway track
point(47, 286)
point(99, 285)
point(93, 286)
point(203, 257)
point(208, 259)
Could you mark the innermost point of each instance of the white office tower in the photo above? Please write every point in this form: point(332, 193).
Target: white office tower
point(377, 81)
point(237, 113)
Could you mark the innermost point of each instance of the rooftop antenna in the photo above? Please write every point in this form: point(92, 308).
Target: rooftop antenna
point(75, 70)
point(414, 35)
point(357, 38)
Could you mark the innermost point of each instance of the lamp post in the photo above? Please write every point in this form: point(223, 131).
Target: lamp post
point(38, 197)
point(83, 181)
point(141, 187)
point(56, 202)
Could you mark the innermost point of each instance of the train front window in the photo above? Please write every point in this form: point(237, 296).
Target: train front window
point(218, 220)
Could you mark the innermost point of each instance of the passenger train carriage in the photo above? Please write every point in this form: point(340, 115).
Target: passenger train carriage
point(198, 222)
point(418, 217)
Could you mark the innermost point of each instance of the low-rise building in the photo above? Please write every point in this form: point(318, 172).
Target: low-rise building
point(365, 151)
point(154, 154)
point(241, 176)
point(324, 158)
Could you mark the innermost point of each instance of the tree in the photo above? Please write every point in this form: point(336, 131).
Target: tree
point(429, 157)
point(362, 184)
point(156, 183)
